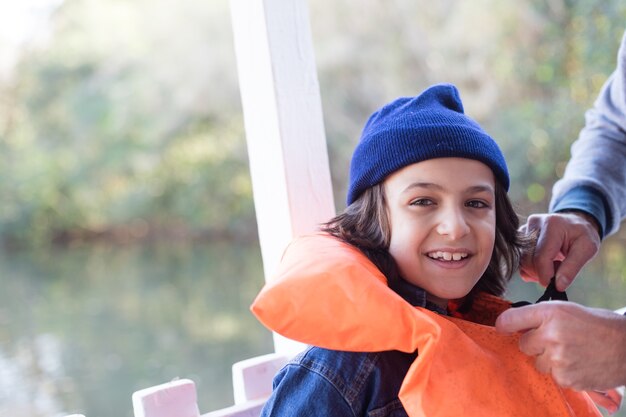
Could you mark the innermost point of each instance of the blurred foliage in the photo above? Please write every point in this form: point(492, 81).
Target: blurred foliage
point(126, 122)
point(526, 70)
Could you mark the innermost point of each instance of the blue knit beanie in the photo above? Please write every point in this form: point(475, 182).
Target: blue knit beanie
point(414, 129)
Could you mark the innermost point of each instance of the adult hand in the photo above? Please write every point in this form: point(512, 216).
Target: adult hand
point(583, 348)
point(572, 238)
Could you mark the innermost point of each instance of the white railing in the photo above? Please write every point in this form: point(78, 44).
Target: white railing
point(252, 384)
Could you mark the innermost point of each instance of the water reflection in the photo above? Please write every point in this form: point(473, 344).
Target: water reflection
point(81, 329)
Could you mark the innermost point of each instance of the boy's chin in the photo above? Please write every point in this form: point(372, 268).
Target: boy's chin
point(443, 296)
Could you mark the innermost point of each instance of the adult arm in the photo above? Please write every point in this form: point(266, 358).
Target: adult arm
point(593, 187)
point(595, 179)
point(583, 348)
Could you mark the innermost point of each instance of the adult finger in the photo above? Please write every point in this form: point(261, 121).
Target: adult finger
point(530, 344)
point(548, 248)
point(520, 318)
point(543, 364)
point(580, 252)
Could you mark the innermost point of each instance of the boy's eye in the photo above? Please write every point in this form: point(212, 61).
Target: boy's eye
point(421, 202)
point(476, 204)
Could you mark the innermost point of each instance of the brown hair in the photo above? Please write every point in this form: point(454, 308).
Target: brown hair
point(365, 224)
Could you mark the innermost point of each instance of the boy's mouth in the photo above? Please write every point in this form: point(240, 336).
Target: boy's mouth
point(447, 256)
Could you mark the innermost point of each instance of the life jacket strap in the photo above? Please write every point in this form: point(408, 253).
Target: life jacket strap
point(551, 293)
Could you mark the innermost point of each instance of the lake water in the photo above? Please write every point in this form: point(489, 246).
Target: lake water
point(83, 328)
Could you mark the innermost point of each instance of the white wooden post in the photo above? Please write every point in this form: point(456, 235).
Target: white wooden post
point(284, 125)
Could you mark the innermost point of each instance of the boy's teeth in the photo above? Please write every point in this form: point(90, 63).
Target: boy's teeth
point(448, 256)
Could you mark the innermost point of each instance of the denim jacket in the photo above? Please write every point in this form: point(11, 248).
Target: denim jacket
point(321, 382)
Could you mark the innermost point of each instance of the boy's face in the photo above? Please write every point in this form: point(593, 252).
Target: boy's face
point(443, 222)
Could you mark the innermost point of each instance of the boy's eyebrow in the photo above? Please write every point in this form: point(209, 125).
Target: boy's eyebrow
point(433, 186)
point(481, 188)
point(428, 185)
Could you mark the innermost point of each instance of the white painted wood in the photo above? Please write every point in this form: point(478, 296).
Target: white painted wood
point(284, 125)
point(250, 409)
point(252, 378)
point(283, 120)
point(176, 398)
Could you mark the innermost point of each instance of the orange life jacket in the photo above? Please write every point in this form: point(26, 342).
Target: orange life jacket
point(327, 293)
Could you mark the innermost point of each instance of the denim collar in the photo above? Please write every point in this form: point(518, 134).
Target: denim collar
point(414, 295)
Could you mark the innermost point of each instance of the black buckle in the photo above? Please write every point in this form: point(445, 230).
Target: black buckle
point(551, 293)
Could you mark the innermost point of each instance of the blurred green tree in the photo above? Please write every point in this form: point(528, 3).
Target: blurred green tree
point(125, 124)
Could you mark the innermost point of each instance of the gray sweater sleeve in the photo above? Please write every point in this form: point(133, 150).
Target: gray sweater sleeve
point(595, 177)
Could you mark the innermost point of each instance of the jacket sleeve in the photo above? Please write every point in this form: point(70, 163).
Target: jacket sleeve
point(595, 178)
point(301, 392)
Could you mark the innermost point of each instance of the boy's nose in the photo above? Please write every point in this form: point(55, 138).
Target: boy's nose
point(453, 224)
